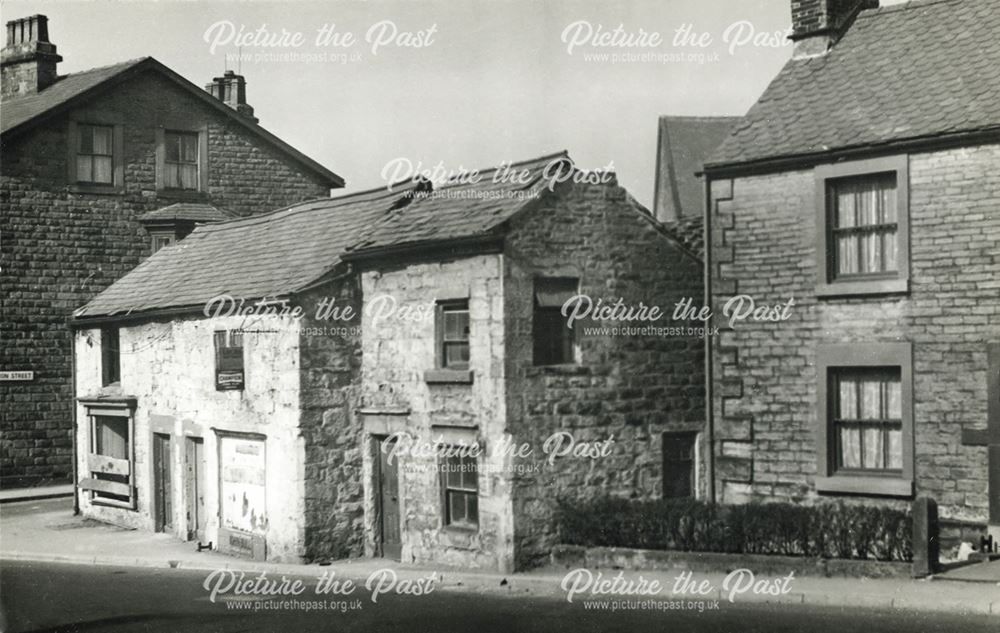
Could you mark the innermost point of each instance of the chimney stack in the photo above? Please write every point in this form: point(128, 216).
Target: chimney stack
point(818, 24)
point(231, 89)
point(28, 61)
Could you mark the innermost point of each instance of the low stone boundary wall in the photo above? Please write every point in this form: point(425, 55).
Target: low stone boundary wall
point(573, 556)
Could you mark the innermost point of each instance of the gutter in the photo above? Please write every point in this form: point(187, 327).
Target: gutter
point(791, 162)
point(72, 370)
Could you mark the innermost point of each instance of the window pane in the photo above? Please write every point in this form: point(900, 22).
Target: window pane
point(188, 176)
point(469, 473)
point(890, 249)
point(189, 147)
point(889, 201)
point(456, 354)
point(456, 509)
point(895, 449)
point(171, 176)
point(84, 168)
point(848, 400)
point(850, 447)
point(171, 142)
point(102, 140)
point(847, 254)
point(871, 253)
point(472, 508)
point(102, 169)
point(456, 325)
point(870, 400)
point(894, 400)
point(845, 207)
point(873, 457)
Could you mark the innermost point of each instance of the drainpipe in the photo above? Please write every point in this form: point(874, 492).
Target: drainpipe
point(709, 409)
point(72, 370)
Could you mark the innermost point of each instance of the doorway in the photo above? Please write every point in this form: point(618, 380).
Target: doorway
point(679, 465)
point(387, 501)
point(162, 489)
point(194, 483)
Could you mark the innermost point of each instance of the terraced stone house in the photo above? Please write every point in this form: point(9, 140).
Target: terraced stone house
point(865, 185)
point(100, 169)
point(289, 418)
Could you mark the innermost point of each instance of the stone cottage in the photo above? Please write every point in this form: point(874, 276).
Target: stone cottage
point(392, 372)
point(100, 169)
point(865, 186)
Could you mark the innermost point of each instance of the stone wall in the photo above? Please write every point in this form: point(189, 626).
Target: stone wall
point(397, 350)
point(60, 248)
point(329, 379)
point(169, 367)
point(629, 387)
point(764, 236)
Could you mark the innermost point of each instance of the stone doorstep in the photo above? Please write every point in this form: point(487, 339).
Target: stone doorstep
point(716, 562)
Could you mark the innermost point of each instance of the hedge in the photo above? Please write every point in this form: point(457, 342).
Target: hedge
point(828, 530)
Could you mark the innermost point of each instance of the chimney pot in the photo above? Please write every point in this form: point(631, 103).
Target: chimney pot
point(231, 89)
point(28, 60)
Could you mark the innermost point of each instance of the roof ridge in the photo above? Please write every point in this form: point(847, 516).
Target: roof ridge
point(127, 62)
point(305, 205)
point(561, 154)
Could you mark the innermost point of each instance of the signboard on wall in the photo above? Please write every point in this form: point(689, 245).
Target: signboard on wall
point(17, 376)
point(242, 483)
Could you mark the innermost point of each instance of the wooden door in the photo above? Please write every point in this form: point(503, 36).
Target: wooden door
point(678, 465)
point(194, 476)
point(388, 504)
point(162, 490)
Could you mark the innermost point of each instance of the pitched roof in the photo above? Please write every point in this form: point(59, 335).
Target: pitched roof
point(21, 113)
point(689, 231)
point(190, 211)
point(270, 255)
point(912, 71)
point(683, 144)
point(464, 209)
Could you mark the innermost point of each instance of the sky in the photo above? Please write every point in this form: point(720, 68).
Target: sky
point(401, 87)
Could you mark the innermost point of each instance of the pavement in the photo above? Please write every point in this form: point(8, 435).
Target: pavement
point(47, 531)
point(12, 495)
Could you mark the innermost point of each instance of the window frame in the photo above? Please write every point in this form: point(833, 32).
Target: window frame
point(157, 236)
point(827, 284)
point(446, 520)
point(161, 161)
point(831, 359)
point(117, 156)
point(443, 307)
point(96, 464)
point(536, 310)
point(111, 355)
point(220, 386)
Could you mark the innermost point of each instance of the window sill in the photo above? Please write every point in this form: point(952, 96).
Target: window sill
point(448, 376)
point(181, 194)
point(104, 190)
point(871, 486)
point(855, 288)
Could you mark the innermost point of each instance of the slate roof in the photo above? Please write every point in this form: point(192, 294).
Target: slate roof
point(688, 230)
point(462, 209)
point(270, 255)
point(19, 110)
point(190, 211)
point(683, 144)
point(19, 113)
point(283, 252)
point(911, 71)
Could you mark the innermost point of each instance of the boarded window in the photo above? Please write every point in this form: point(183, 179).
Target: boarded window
point(94, 160)
point(109, 462)
point(553, 339)
point(459, 477)
point(229, 360)
point(868, 419)
point(180, 162)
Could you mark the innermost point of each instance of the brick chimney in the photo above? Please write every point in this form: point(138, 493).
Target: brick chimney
point(28, 61)
point(231, 89)
point(818, 24)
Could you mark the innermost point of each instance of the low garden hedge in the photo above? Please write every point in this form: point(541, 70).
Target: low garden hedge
point(827, 530)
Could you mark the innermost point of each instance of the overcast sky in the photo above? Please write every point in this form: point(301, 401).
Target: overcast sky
point(494, 81)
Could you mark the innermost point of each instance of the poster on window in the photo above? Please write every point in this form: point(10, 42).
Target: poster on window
point(242, 480)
